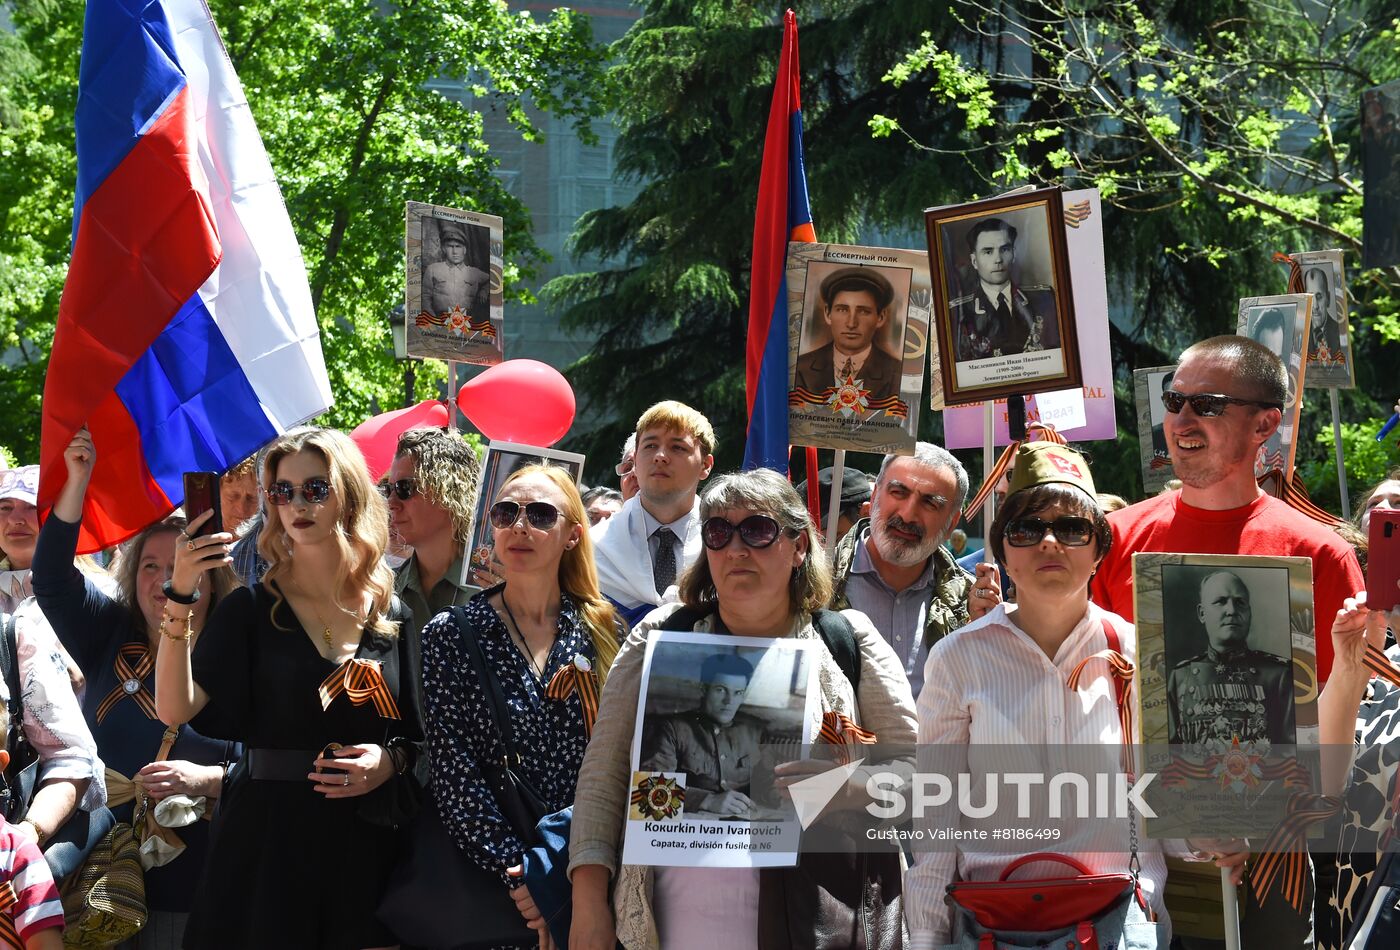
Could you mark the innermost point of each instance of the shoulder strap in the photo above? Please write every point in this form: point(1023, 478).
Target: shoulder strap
point(489, 683)
point(840, 639)
point(9, 667)
point(687, 617)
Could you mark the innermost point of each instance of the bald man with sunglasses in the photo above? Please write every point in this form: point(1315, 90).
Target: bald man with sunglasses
point(1225, 401)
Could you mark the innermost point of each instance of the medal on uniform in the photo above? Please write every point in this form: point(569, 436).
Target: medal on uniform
point(655, 797)
point(849, 398)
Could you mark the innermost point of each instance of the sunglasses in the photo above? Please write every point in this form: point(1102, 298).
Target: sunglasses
point(756, 531)
point(1028, 532)
point(404, 489)
point(1209, 404)
point(540, 514)
point(314, 490)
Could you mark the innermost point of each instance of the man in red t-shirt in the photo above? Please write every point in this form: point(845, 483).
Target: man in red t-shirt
point(1220, 509)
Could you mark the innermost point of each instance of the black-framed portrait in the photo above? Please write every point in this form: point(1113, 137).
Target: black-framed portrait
point(1003, 310)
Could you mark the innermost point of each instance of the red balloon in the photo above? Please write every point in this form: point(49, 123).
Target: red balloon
point(522, 401)
point(378, 436)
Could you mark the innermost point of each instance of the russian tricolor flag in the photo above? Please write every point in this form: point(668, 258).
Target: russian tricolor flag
point(782, 215)
point(186, 337)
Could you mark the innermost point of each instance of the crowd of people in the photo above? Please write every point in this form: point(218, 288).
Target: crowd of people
point(309, 699)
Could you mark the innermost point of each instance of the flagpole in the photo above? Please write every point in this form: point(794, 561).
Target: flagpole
point(833, 512)
point(1337, 440)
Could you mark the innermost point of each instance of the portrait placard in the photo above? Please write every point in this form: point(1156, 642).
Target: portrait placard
point(962, 425)
point(1380, 157)
point(1148, 385)
point(717, 712)
point(1280, 323)
point(1329, 331)
point(1227, 688)
point(1003, 309)
point(479, 566)
point(857, 341)
point(452, 284)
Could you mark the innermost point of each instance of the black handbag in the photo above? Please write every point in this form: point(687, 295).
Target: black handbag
point(1376, 925)
point(438, 897)
point(17, 782)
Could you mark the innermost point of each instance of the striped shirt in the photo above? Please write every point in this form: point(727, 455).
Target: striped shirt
point(27, 892)
point(988, 683)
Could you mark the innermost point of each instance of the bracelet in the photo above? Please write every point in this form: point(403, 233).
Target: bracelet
point(39, 833)
point(185, 599)
point(167, 619)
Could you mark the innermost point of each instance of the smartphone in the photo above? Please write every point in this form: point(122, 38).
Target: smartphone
point(1383, 560)
point(201, 495)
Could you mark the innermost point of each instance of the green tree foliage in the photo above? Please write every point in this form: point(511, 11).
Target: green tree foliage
point(1218, 134)
point(362, 105)
point(669, 317)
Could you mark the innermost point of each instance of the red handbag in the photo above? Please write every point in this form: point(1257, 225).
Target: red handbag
point(1068, 903)
point(1039, 905)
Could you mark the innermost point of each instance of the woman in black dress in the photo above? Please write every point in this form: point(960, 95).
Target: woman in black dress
point(545, 618)
point(315, 670)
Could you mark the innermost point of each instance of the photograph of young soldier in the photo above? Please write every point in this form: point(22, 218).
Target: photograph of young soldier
point(1241, 685)
point(1324, 333)
point(996, 314)
point(1156, 385)
point(855, 306)
point(460, 277)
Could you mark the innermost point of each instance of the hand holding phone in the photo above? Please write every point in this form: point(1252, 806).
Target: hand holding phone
point(1383, 560)
point(201, 495)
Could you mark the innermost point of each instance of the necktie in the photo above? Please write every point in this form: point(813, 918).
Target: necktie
point(846, 370)
point(663, 569)
point(1003, 312)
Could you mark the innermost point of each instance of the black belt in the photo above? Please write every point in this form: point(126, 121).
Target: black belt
point(281, 765)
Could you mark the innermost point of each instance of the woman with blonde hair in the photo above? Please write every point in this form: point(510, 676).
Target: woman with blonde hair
point(547, 623)
point(315, 671)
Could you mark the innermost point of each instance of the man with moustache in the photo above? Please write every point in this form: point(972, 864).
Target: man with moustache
point(893, 568)
point(1229, 691)
point(1225, 402)
point(855, 306)
point(642, 550)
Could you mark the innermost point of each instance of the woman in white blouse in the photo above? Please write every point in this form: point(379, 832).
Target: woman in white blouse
point(1002, 681)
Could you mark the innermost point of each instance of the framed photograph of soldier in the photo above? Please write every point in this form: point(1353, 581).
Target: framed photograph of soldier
point(1280, 323)
point(452, 284)
point(1148, 385)
point(1003, 309)
point(1380, 166)
point(857, 344)
point(1321, 274)
point(713, 720)
point(1227, 687)
point(480, 567)
point(1083, 225)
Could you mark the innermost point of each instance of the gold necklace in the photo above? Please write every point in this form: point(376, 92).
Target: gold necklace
point(325, 627)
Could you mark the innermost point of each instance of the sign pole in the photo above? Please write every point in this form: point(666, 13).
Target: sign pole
point(452, 397)
point(1229, 894)
point(989, 451)
point(833, 511)
point(1337, 439)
